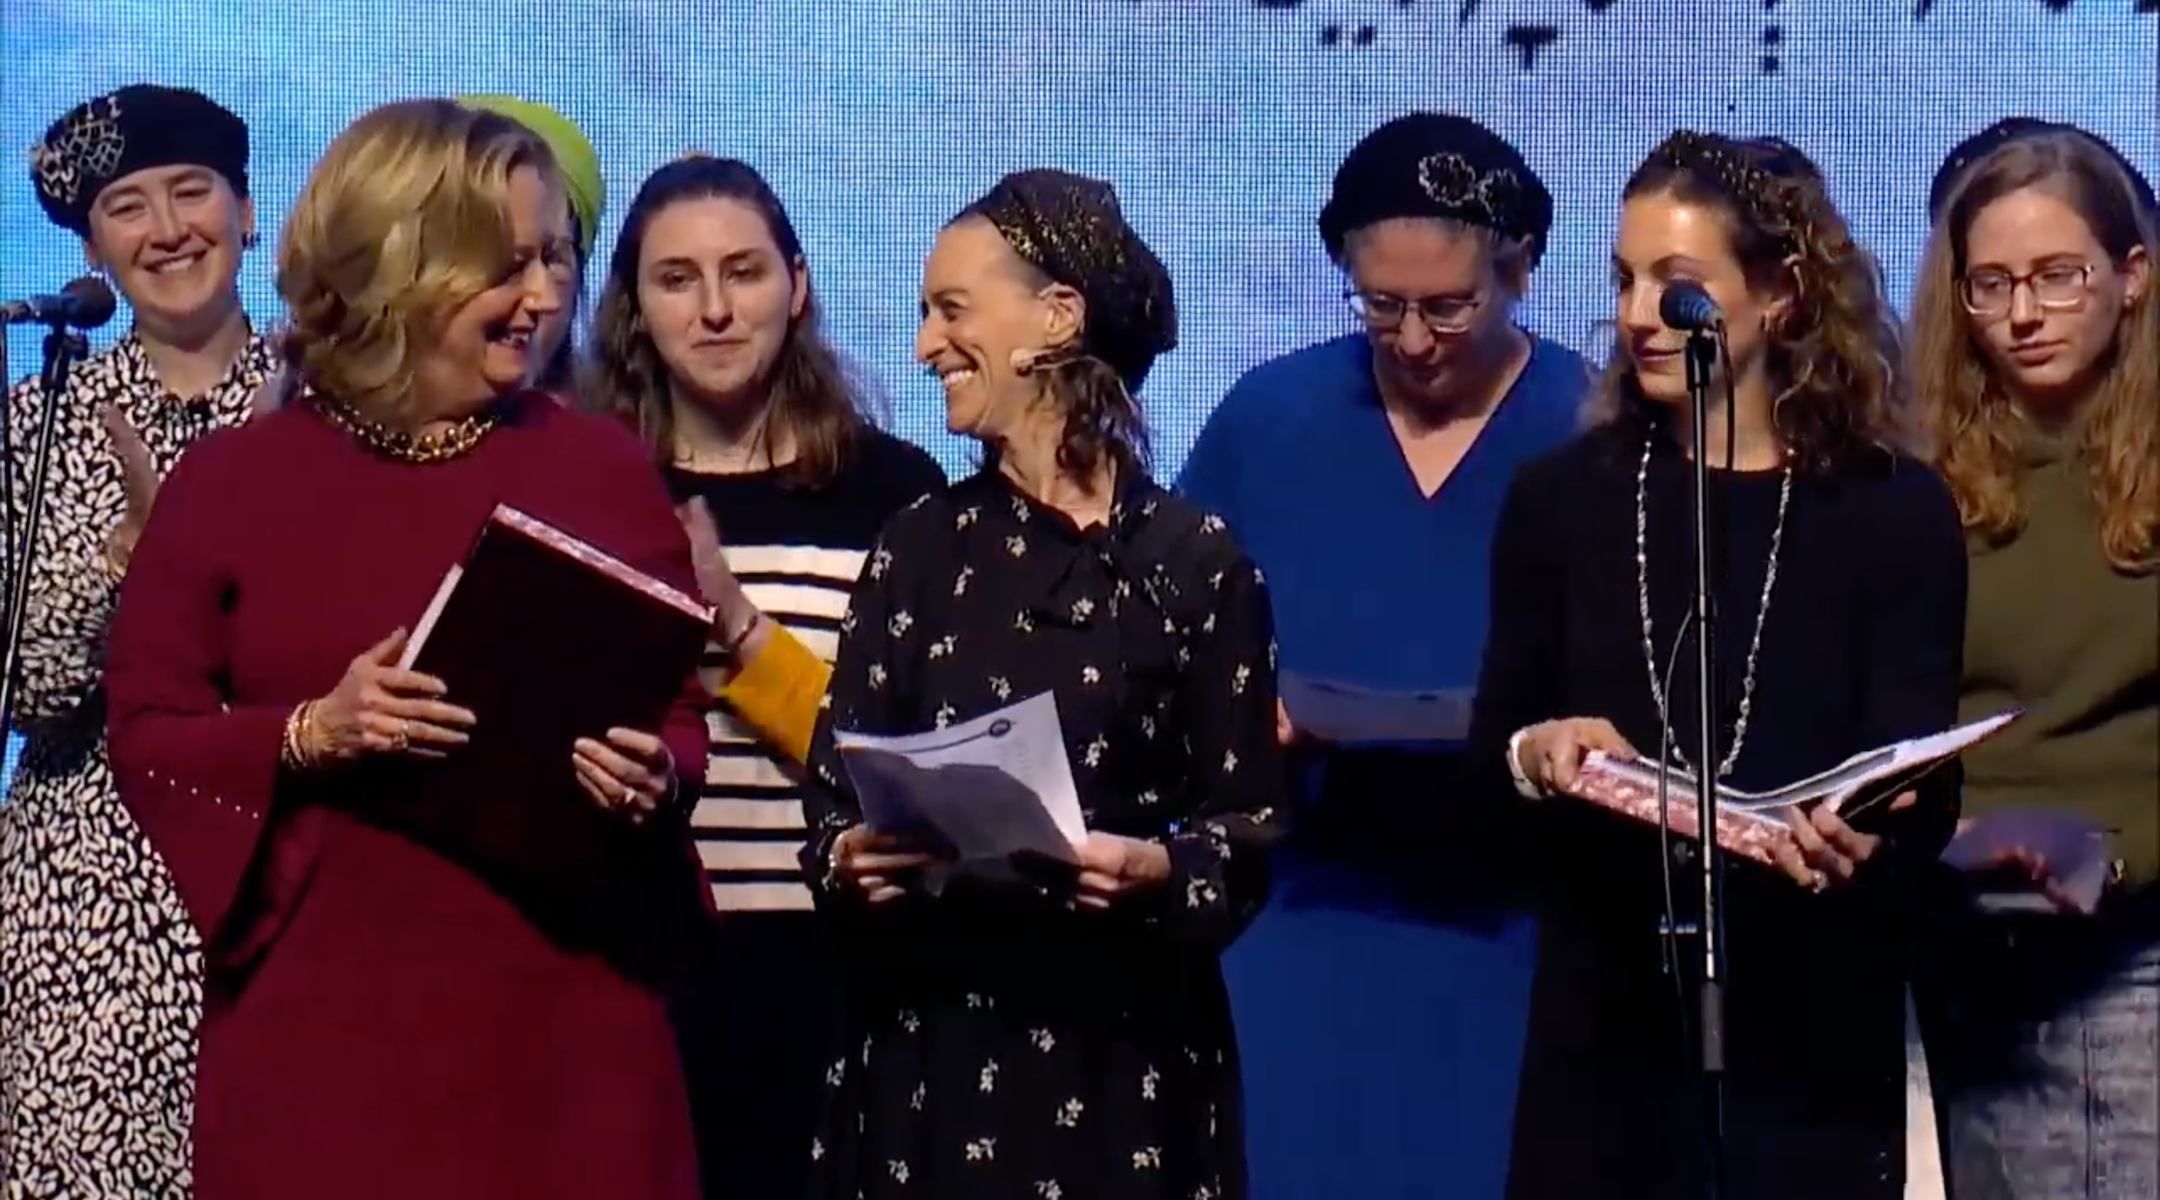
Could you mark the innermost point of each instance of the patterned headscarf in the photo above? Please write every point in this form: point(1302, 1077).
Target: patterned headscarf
point(1072, 229)
point(1437, 165)
point(141, 126)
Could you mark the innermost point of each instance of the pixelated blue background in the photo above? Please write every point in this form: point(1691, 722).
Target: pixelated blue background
point(1220, 121)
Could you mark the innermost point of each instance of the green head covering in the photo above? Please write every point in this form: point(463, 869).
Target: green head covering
point(573, 154)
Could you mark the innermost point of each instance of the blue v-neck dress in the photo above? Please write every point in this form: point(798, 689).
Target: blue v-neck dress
point(1380, 1000)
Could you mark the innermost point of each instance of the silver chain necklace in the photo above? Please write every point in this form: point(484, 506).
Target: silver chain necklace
point(1649, 645)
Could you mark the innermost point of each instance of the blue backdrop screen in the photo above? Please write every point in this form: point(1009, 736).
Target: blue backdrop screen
point(1220, 121)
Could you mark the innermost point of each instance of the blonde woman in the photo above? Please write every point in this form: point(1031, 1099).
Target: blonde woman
point(380, 1019)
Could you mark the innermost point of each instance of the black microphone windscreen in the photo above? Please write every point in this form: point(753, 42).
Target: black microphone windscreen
point(94, 301)
point(1687, 305)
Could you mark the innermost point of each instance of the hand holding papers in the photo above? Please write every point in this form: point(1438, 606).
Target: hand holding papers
point(1753, 824)
point(990, 788)
point(2062, 855)
point(1347, 714)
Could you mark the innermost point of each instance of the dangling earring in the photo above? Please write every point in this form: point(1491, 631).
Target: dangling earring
point(249, 240)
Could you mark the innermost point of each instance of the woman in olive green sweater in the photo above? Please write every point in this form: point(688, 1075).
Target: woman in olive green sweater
point(2037, 360)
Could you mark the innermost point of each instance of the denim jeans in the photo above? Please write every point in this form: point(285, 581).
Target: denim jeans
point(2044, 1046)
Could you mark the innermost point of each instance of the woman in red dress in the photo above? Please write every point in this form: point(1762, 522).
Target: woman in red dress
point(380, 1021)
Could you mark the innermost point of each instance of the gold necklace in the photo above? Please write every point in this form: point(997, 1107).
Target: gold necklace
point(440, 446)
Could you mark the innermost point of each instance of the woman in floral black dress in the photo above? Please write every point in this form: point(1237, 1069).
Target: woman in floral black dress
point(1062, 1036)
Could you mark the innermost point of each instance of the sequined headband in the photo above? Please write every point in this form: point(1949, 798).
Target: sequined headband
point(1754, 188)
point(1493, 199)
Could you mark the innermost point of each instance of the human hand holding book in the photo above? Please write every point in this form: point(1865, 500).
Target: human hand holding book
point(1586, 757)
point(2032, 860)
point(1803, 828)
point(554, 663)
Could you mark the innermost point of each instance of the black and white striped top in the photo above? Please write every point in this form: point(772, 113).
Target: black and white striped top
point(797, 552)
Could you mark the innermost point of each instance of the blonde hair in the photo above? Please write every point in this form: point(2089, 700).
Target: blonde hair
point(1975, 425)
point(404, 219)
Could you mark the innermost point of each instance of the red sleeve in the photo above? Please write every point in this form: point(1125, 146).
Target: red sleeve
point(198, 775)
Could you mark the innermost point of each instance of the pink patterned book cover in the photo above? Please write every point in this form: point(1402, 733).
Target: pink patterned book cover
point(599, 560)
point(1745, 833)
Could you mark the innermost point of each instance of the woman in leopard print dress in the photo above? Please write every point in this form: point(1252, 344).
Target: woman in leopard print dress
point(99, 968)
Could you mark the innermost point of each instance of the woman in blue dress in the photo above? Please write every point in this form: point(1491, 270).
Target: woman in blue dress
point(1382, 1013)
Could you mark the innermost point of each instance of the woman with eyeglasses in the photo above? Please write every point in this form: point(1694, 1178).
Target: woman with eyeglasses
point(2037, 359)
point(1365, 474)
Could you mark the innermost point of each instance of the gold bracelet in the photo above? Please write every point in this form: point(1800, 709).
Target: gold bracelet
point(298, 724)
point(289, 749)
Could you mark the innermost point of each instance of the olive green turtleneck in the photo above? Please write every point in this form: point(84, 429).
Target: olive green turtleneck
point(2051, 627)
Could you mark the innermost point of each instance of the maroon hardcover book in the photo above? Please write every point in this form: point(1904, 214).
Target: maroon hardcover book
point(546, 640)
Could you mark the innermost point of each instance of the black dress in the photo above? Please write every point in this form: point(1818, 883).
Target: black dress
point(1004, 1044)
point(1861, 647)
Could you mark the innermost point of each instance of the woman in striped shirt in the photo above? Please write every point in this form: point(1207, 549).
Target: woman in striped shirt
point(706, 338)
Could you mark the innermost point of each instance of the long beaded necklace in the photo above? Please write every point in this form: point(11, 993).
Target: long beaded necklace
point(1762, 617)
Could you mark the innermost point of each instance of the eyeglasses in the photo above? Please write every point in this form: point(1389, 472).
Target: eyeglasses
point(1441, 314)
point(1991, 293)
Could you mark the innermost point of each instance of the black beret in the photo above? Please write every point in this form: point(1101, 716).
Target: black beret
point(1437, 165)
point(138, 127)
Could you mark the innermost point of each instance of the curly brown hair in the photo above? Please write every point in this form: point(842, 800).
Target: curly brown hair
point(1975, 425)
point(1835, 357)
point(821, 406)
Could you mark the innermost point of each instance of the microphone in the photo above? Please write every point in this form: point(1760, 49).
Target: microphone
point(1687, 307)
point(84, 303)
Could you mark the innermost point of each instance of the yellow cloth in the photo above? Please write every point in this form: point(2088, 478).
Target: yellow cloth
point(573, 154)
point(776, 692)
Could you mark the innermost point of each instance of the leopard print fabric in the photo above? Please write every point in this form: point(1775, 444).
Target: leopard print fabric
point(100, 969)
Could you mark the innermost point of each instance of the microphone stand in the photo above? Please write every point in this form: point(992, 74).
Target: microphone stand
point(1701, 359)
point(64, 347)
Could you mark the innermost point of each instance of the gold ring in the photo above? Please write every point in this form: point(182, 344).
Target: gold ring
point(400, 740)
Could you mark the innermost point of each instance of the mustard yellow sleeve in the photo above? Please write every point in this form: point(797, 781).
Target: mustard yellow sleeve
point(776, 692)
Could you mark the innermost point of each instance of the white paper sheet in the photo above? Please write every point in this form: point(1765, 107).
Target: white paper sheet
point(992, 787)
point(1349, 714)
point(1836, 785)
